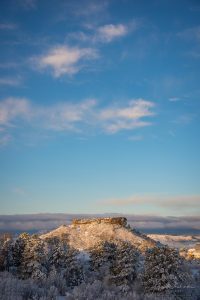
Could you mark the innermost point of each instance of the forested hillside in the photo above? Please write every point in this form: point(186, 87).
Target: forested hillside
point(99, 259)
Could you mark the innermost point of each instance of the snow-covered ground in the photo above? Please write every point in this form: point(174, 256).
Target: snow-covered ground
point(176, 241)
point(87, 236)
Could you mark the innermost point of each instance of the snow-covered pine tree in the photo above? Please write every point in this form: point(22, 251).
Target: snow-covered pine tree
point(33, 259)
point(6, 259)
point(62, 259)
point(163, 270)
point(102, 255)
point(18, 247)
point(115, 262)
point(123, 269)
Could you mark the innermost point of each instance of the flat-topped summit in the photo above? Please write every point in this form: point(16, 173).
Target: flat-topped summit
point(117, 220)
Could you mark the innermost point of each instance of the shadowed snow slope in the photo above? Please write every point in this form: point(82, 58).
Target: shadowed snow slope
point(86, 236)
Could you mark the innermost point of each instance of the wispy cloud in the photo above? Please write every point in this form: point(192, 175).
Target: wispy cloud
point(174, 99)
point(75, 117)
point(10, 81)
point(28, 4)
point(192, 33)
point(63, 60)
point(91, 7)
point(8, 26)
point(184, 119)
point(130, 117)
point(19, 191)
point(192, 36)
point(5, 139)
point(181, 202)
point(108, 33)
point(136, 138)
point(9, 65)
point(13, 108)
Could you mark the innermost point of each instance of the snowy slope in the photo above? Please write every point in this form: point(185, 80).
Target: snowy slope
point(176, 241)
point(87, 236)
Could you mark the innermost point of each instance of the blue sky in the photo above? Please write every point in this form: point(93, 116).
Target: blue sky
point(99, 106)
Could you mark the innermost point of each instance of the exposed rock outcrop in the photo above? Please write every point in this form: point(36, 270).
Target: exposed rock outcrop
point(118, 221)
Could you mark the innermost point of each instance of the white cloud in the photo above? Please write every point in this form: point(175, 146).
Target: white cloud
point(66, 116)
point(13, 108)
point(16, 113)
point(136, 109)
point(65, 60)
point(127, 118)
point(108, 33)
point(104, 34)
point(119, 125)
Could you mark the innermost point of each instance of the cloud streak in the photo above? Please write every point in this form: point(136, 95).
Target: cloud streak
point(28, 4)
point(180, 202)
point(10, 81)
point(192, 33)
point(75, 117)
point(106, 33)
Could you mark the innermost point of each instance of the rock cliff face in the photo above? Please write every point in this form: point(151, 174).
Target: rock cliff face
point(117, 221)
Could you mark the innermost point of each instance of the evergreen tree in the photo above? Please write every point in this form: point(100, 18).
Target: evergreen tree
point(124, 266)
point(33, 259)
point(6, 259)
point(163, 270)
point(116, 263)
point(62, 259)
point(18, 247)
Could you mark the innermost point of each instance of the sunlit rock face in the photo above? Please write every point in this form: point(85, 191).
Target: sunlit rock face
point(118, 221)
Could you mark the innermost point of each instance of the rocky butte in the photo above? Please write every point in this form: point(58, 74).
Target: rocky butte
point(84, 234)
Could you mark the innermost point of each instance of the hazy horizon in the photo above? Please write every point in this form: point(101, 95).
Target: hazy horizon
point(37, 223)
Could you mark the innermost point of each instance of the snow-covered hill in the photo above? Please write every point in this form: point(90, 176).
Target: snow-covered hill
point(102, 258)
point(87, 236)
